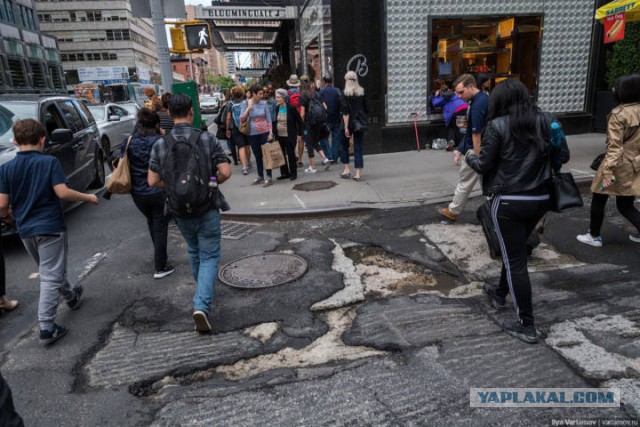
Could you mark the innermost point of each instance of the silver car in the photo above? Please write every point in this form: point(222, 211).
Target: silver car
point(115, 124)
point(209, 104)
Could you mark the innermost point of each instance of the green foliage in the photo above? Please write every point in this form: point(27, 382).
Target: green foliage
point(222, 82)
point(625, 58)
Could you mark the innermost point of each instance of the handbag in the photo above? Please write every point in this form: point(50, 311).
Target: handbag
point(120, 181)
point(564, 192)
point(245, 127)
point(360, 125)
point(595, 164)
point(351, 145)
point(484, 216)
point(272, 156)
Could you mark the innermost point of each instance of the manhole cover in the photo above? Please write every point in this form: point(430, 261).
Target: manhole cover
point(263, 271)
point(236, 230)
point(314, 186)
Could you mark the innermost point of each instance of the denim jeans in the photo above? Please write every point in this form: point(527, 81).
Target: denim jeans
point(256, 142)
point(337, 135)
point(357, 150)
point(203, 241)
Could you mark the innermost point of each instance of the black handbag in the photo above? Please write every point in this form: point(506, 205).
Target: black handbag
point(360, 125)
point(564, 192)
point(595, 164)
point(484, 216)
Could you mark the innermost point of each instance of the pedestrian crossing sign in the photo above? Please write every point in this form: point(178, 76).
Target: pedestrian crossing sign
point(198, 36)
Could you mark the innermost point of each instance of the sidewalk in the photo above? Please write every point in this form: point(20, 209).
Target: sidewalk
point(389, 180)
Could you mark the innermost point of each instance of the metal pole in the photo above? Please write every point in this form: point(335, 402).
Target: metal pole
point(303, 58)
point(162, 45)
point(191, 67)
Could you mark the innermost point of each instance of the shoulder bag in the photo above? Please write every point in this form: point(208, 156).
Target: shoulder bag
point(563, 191)
point(120, 181)
point(245, 127)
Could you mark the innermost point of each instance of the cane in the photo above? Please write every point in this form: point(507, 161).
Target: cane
point(415, 117)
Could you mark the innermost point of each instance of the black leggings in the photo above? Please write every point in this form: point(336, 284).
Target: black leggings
point(624, 205)
point(3, 279)
point(152, 207)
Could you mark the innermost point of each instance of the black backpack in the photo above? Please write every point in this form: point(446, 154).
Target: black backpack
point(187, 170)
point(317, 113)
point(221, 119)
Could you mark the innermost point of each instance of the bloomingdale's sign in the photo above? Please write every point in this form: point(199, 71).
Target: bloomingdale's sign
point(226, 12)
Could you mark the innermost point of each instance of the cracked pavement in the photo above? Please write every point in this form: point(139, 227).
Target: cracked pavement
point(387, 327)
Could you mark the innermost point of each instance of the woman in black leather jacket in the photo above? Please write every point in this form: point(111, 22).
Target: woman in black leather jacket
point(515, 165)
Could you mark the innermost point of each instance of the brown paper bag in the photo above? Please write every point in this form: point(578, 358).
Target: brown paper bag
point(120, 181)
point(272, 156)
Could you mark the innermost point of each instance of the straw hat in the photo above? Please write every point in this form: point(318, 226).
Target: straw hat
point(293, 81)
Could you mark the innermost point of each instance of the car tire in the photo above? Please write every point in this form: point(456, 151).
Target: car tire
point(106, 149)
point(100, 177)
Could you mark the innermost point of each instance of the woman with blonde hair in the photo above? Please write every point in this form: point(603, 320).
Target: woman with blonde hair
point(355, 124)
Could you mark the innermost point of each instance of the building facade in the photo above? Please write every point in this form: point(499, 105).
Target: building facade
point(29, 60)
point(97, 36)
point(399, 48)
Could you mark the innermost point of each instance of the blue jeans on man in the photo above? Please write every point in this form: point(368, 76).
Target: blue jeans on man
point(337, 134)
point(203, 241)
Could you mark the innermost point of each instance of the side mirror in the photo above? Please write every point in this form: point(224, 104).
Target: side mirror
point(114, 118)
point(60, 136)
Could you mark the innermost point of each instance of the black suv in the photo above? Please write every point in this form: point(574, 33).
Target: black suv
point(72, 135)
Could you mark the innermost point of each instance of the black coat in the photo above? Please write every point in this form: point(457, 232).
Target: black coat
point(295, 124)
point(509, 166)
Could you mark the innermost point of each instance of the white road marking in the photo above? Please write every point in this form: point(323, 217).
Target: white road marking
point(300, 201)
point(91, 264)
point(34, 275)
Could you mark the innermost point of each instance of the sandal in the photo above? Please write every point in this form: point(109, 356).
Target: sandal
point(8, 305)
point(357, 178)
point(346, 175)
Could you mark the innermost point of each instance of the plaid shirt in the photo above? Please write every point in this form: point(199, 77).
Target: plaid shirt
point(208, 142)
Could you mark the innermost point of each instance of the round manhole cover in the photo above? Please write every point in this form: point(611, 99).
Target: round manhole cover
point(263, 271)
point(314, 186)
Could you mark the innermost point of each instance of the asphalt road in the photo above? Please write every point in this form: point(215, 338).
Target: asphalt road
point(387, 327)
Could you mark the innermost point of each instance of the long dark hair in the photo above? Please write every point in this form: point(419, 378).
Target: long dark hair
point(511, 98)
point(627, 89)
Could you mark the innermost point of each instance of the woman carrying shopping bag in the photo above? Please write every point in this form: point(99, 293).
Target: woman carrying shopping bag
point(288, 128)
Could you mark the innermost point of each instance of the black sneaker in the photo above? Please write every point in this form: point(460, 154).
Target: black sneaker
point(498, 302)
point(74, 302)
point(201, 320)
point(48, 337)
point(527, 334)
point(159, 274)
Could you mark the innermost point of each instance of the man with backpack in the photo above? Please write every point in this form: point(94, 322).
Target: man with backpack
point(314, 114)
point(336, 108)
point(185, 162)
point(294, 100)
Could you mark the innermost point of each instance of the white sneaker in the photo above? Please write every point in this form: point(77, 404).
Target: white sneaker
point(201, 321)
point(589, 240)
point(327, 164)
point(310, 170)
point(634, 237)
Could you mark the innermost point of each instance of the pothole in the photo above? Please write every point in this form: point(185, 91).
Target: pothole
point(385, 274)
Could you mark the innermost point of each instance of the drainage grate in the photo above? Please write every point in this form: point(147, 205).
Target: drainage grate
point(314, 186)
point(263, 271)
point(232, 230)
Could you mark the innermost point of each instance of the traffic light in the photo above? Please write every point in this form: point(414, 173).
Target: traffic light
point(177, 40)
point(198, 36)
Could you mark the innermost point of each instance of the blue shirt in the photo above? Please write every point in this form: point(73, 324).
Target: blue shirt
point(259, 117)
point(329, 95)
point(139, 153)
point(476, 120)
point(29, 179)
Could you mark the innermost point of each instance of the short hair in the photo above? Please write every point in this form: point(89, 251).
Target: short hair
point(627, 89)
point(327, 79)
point(237, 92)
point(28, 132)
point(466, 80)
point(255, 89)
point(149, 91)
point(165, 100)
point(147, 119)
point(180, 105)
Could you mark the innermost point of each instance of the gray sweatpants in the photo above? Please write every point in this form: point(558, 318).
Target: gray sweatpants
point(50, 253)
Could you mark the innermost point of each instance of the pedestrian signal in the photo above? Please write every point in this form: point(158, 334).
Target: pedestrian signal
point(198, 36)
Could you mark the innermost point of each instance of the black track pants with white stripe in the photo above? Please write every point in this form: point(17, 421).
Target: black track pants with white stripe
point(514, 217)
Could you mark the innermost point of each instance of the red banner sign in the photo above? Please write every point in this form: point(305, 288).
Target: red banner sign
point(614, 28)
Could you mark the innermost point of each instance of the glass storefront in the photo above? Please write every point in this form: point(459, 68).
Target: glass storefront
point(492, 48)
point(317, 39)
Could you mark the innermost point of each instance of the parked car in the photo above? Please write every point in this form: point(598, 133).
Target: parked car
point(115, 123)
point(72, 137)
point(209, 104)
point(131, 107)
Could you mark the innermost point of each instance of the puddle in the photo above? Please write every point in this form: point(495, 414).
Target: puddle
point(385, 274)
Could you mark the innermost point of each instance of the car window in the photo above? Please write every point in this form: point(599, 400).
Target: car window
point(97, 111)
point(52, 119)
point(131, 108)
point(120, 112)
point(71, 115)
point(87, 117)
point(9, 113)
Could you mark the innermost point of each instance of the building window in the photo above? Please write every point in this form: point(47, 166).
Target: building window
point(118, 35)
point(7, 11)
point(94, 15)
point(492, 48)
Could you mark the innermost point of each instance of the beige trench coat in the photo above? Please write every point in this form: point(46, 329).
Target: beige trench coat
point(622, 161)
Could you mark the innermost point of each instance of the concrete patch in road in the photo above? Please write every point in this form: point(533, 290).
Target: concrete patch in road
point(129, 357)
point(263, 332)
point(406, 322)
point(596, 346)
point(465, 246)
point(327, 349)
point(629, 394)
